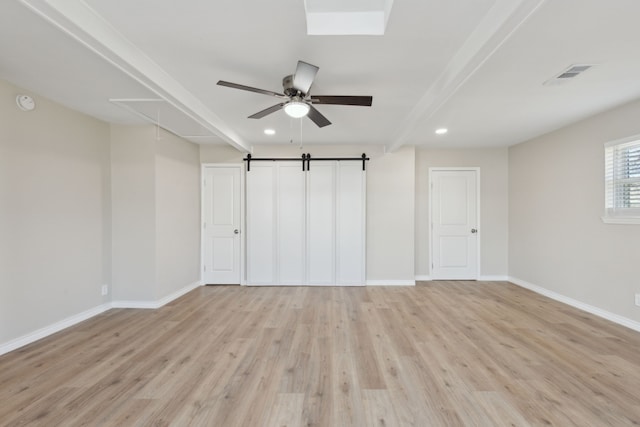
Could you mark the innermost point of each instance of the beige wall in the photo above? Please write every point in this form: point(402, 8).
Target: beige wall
point(83, 204)
point(557, 240)
point(390, 201)
point(133, 204)
point(156, 213)
point(493, 164)
point(177, 198)
point(220, 154)
point(54, 214)
point(391, 217)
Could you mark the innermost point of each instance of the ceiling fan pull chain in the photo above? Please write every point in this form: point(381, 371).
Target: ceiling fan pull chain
point(290, 130)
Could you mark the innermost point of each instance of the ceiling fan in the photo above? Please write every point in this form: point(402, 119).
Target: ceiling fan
point(297, 101)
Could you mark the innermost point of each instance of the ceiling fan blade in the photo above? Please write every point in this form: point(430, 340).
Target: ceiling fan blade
point(364, 101)
point(250, 89)
point(303, 78)
point(266, 111)
point(317, 118)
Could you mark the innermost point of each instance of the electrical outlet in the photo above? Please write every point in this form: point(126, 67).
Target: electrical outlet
point(105, 289)
point(638, 300)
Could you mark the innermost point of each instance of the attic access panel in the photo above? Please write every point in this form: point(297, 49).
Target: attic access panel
point(161, 113)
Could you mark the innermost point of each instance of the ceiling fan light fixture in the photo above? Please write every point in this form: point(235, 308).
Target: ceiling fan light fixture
point(296, 109)
point(296, 100)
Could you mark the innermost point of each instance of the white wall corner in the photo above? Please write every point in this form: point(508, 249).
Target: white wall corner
point(52, 329)
point(391, 282)
point(423, 278)
point(620, 320)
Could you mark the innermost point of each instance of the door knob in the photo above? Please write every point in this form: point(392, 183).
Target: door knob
point(474, 231)
point(236, 231)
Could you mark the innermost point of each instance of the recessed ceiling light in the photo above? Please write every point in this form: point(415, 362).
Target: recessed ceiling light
point(269, 132)
point(441, 131)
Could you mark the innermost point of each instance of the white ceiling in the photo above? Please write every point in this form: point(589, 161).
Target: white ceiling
point(476, 67)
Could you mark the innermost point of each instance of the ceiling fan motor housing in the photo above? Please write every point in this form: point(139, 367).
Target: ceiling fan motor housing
point(287, 85)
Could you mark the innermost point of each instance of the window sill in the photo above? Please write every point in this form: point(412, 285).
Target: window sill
point(621, 220)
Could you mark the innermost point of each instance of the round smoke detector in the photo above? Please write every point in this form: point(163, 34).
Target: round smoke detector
point(25, 102)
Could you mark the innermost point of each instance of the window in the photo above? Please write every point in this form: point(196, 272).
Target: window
point(622, 181)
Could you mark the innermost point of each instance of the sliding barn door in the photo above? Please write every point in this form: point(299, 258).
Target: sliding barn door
point(290, 223)
point(306, 228)
point(350, 224)
point(321, 224)
point(261, 226)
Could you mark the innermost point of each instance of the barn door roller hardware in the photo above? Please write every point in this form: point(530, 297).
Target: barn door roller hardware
point(305, 159)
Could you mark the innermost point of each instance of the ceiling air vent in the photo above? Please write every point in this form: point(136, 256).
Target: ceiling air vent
point(568, 74)
point(574, 71)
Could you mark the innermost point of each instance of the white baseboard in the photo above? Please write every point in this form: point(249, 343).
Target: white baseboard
point(303, 285)
point(135, 304)
point(480, 279)
point(52, 329)
point(80, 317)
point(631, 324)
point(156, 304)
point(493, 278)
point(391, 282)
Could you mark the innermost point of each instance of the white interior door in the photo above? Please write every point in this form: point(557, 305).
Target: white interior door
point(454, 224)
point(221, 225)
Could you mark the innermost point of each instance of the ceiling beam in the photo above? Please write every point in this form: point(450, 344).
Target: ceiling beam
point(82, 23)
point(500, 22)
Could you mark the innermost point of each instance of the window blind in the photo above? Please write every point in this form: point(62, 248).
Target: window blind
point(622, 179)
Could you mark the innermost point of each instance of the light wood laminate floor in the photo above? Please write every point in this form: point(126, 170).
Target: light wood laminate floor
point(438, 354)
